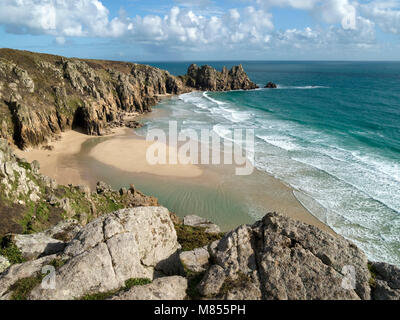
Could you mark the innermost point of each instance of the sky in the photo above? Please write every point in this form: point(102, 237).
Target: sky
point(176, 30)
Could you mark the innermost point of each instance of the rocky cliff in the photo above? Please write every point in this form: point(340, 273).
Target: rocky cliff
point(138, 254)
point(42, 95)
point(206, 78)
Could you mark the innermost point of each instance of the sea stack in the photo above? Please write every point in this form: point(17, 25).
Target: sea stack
point(271, 85)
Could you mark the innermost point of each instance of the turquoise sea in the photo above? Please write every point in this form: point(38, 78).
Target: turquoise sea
point(331, 131)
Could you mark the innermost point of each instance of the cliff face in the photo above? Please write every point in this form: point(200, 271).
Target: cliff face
point(41, 95)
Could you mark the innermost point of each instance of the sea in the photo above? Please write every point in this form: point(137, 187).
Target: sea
point(331, 131)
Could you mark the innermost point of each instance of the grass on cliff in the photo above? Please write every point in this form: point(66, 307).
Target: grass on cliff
point(194, 279)
point(10, 251)
point(23, 287)
point(230, 284)
point(108, 294)
point(373, 273)
point(191, 238)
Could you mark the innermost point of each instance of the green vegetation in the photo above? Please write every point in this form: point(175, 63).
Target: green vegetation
point(108, 294)
point(36, 217)
point(193, 281)
point(99, 296)
point(22, 288)
point(191, 238)
point(372, 279)
point(27, 166)
point(74, 103)
point(136, 282)
point(57, 263)
point(230, 284)
point(10, 251)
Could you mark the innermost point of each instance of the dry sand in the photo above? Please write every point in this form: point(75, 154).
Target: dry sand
point(59, 163)
point(125, 154)
point(129, 154)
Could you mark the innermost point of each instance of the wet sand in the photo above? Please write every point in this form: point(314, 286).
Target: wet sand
point(211, 191)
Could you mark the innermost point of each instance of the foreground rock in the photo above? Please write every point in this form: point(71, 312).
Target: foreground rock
point(279, 258)
point(387, 281)
point(20, 271)
point(37, 245)
point(130, 243)
point(167, 288)
point(4, 263)
point(196, 221)
point(196, 260)
point(52, 241)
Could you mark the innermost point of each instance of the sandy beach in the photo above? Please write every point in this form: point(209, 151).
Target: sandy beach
point(124, 155)
point(129, 154)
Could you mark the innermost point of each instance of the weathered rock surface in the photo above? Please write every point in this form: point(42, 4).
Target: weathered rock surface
point(4, 264)
point(196, 260)
point(279, 258)
point(36, 245)
point(167, 288)
point(51, 241)
point(196, 221)
point(207, 78)
point(130, 243)
point(387, 281)
point(20, 271)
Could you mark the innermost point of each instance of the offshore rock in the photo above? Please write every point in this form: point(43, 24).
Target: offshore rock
point(271, 85)
point(207, 78)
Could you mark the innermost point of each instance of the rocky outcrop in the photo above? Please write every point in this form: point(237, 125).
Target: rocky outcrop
point(196, 260)
point(42, 95)
point(21, 271)
point(196, 221)
point(276, 258)
point(4, 263)
point(167, 288)
point(52, 241)
point(279, 258)
point(206, 78)
point(130, 243)
point(386, 282)
point(271, 85)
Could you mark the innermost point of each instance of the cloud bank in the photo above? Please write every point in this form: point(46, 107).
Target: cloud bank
point(339, 23)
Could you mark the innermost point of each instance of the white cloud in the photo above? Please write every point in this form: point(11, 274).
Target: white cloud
point(328, 11)
point(187, 27)
point(385, 13)
point(56, 17)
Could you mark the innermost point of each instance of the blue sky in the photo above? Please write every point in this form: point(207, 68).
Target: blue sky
point(163, 30)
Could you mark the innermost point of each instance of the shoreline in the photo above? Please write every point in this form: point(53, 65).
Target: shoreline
point(65, 166)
